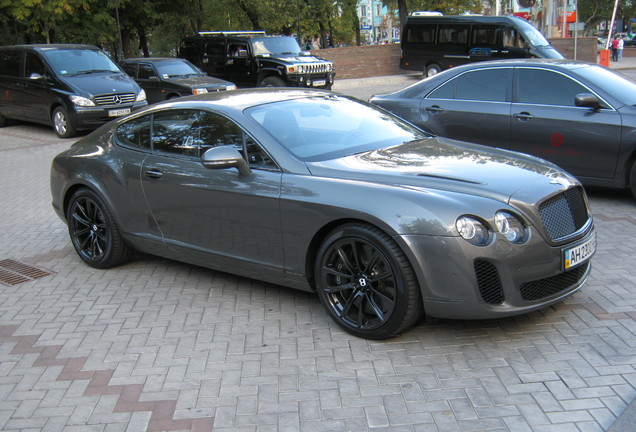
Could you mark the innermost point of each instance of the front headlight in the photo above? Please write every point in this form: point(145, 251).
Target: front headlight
point(82, 101)
point(473, 231)
point(141, 96)
point(230, 87)
point(198, 91)
point(510, 227)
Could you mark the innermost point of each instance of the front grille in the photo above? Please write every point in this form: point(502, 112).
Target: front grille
point(488, 282)
point(564, 214)
point(316, 68)
point(115, 99)
point(542, 288)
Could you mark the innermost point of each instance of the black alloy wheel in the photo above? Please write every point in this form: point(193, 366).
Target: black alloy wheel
point(366, 283)
point(93, 232)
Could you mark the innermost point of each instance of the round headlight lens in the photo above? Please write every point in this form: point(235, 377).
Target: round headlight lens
point(510, 226)
point(472, 230)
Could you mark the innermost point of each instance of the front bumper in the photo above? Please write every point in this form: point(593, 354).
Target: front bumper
point(462, 281)
point(93, 117)
point(324, 80)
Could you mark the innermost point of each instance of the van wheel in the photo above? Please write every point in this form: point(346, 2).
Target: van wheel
point(272, 82)
point(62, 123)
point(431, 70)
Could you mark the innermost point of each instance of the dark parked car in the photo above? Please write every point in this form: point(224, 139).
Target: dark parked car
point(320, 192)
point(165, 78)
point(581, 116)
point(254, 59)
point(71, 87)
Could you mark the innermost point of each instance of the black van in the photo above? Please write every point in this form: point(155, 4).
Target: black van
point(71, 87)
point(431, 43)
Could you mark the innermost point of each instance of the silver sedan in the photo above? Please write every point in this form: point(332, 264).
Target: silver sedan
point(321, 192)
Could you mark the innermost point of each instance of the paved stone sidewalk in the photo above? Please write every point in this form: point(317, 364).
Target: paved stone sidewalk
point(156, 345)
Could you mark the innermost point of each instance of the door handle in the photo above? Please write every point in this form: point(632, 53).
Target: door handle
point(434, 108)
point(153, 173)
point(523, 116)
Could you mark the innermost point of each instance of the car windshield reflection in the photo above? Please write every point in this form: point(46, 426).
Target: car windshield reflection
point(323, 128)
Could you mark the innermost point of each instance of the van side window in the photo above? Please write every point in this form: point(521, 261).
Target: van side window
point(490, 85)
point(421, 34)
point(10, 63)
point(34, 66)
point(513, 39)
point(453, 34)
point(485, 35)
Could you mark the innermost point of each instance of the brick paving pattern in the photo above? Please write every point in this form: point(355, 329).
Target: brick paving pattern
point(156, 345)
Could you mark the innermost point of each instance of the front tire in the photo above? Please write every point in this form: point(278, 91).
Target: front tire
point(272, 81)
point(366, 283)
point(62, 123)
point(93, 231)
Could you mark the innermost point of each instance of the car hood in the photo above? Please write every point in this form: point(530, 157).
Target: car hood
point(295, 59)
point(197, 81)
point(102, 83)
point(440, 163)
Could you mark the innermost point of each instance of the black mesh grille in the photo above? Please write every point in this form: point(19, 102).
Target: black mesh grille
point(489, 283)
point(564, 214)
point(536, 290)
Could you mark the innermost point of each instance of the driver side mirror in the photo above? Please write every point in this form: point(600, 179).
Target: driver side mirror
point(587, 100)
point(225, 157)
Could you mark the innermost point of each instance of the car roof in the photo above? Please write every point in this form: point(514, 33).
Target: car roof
point(555, 63)
point(238, 100)
point(152, 59)
point(46, 47)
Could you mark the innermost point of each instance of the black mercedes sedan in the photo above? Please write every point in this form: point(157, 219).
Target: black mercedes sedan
point(165, 78)
point(581, 116)
point(321, 192)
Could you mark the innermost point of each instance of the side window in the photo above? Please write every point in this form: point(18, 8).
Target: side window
point(174, 132)
point(10, 63)
point(547, 88)
point(424, 34)
point(33, 66)
point(146, 71)
point(490, 85)
point(233, 48)
point(445, 91)
point(485, 35)
point(135, 133)
point(513, 39)
point(452, 35)
point(215, 49)
point(130, 69)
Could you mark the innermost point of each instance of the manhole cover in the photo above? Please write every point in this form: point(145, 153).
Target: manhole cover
point(14, 272)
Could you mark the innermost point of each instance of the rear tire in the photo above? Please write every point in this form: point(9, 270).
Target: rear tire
point(431, 70)
point(62, 123)
point(93, 231)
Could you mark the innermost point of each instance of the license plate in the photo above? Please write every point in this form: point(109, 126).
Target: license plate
point(579, 254)
point(119, 112)
point(319, 83)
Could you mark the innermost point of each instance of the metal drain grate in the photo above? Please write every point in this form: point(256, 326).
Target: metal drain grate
point(14, 273)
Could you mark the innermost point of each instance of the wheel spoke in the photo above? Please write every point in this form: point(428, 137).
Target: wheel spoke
point(333, 289)
point(375, 307)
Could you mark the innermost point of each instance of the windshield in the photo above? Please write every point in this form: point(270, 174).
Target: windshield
point(80, 61)
point(532, 35)
point(617, 85)
point(332, 126)
point(174, 68)
point(286, 45)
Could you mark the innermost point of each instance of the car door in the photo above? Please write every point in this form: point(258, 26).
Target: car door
point(547, 123)
point(150, 81)
point(36, 93)
point(212, 216)
point(237, 67)
point(474, 106)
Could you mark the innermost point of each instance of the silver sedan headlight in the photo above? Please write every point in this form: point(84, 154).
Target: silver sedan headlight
point(473, 230)
point(510, 226)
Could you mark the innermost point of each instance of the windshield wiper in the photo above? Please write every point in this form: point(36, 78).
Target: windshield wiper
point(90, 71)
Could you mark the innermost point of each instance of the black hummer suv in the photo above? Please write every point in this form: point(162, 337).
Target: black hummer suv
point(253, 59)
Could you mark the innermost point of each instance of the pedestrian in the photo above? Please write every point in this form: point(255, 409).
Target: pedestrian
point(621, 44)
point(615, 49)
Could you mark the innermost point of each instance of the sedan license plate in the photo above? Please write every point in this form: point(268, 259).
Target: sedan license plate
point(319, 83)
point(580, 253)
point(118, 112)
